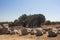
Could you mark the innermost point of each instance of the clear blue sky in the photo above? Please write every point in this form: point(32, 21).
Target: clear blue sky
point(12, 9)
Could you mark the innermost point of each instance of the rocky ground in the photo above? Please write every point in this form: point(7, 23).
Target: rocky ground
point(29, 37)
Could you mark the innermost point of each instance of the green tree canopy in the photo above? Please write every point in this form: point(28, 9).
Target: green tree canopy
point(31, 20)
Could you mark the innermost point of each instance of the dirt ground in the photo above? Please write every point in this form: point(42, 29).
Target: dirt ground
point(28, 37)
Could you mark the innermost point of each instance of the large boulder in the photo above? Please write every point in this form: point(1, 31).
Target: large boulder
point(4, 31)
point(58, 31)
point(33, 31)
point(52, 34)
point(58, 27)
point(39, 33)
point(42, 30)
point(29, 30)
point(24, 31)
point(11, 30)
point(54, 30)
point(0, 31)
point(48, 29)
